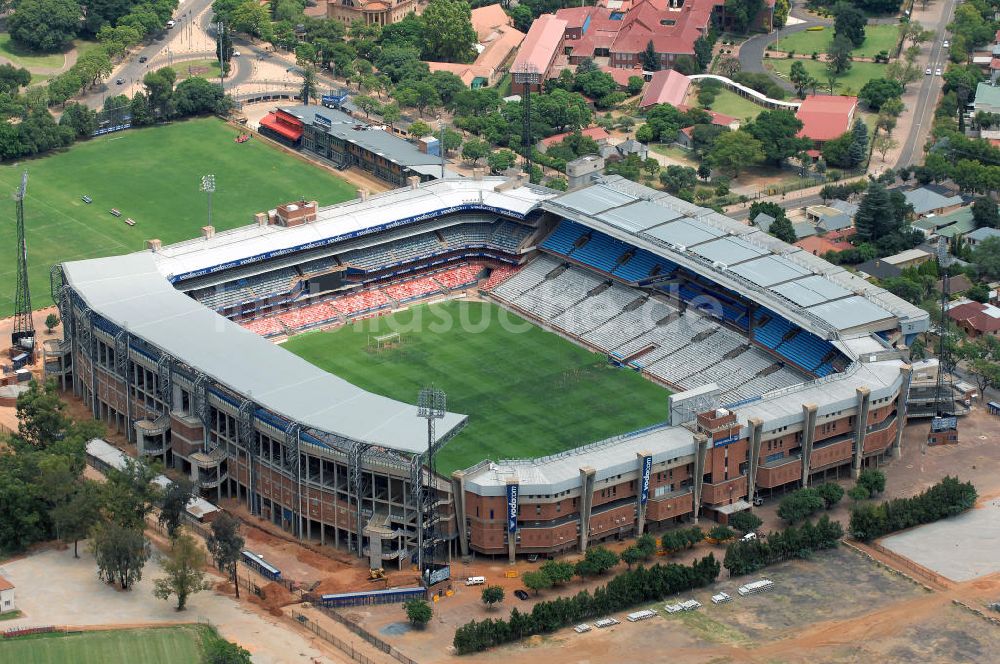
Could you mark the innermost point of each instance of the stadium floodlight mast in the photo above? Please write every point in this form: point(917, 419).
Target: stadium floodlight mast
point(208, 186)
point(431, 405)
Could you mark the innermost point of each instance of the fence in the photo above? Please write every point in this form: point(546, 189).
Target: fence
point(898, 563)
point(15, 632)
point(367, 636)
point(342, 645)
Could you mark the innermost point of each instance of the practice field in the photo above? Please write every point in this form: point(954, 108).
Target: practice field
point(878, 37)
point(729, 103)
point(166, 645)
point(850, 83)
point(527, 392)
point(153, 176)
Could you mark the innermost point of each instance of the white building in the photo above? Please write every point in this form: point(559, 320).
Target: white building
point(7, 596)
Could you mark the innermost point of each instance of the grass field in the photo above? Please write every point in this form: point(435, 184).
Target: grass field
point(675, 152)
point(881, 37)
point(850, 83)
point(205, 68)
point(21, 57)
point(165, 645)
point(527, 392)
point(729, 103)
point(152, 175)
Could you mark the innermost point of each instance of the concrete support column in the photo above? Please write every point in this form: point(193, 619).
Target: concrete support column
point(906, 372)
point(700, 454)
point(587, 475)
point(808, 437)
point(860, 429)
point(756, 431)
point(640, 506)
point(458, 495)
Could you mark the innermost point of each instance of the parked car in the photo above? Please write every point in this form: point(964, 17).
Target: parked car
point(120, 81)
point(946, 43)
point(170, 24)
point(475, 581)
point(143, 58)
point(927, 71)
point(520, 594)
point(236, 54)
point(749, 537)
point(937, 72)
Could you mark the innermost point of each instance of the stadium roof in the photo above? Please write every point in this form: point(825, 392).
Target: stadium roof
point(806, 289)
point(251, 244)
point(131, 292)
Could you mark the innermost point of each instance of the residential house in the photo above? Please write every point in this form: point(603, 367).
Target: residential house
point(820, 245)
point(975, 237)
point(956, 223)
point(826, 117)
point(956, 285)
point(879, 269)
point(932, 200)
point(976, 318)
point(987, 99)
point(837, 215)
point(909, 258)
point(763, 221)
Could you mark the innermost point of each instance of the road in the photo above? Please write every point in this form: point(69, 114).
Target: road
point(752, 50)
point(930, 89)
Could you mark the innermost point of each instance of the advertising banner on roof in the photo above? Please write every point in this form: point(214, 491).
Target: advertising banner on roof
point(647, 467)
point(511, 508)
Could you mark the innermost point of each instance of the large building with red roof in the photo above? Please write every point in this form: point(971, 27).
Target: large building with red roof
point(372, 12)
point(977, 318)
point(666, 87)
point(826, 117)
point(538, 52)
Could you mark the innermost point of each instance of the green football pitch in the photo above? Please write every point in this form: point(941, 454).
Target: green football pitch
point(163, 645)
point(153, 176)
point(527, 392)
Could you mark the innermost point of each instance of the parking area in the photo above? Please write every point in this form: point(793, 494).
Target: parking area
point(962, 548)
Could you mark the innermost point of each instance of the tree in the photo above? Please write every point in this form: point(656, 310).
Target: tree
point(129, 494)
point(536, 581)
point(391, 114)
point(44, 25)
point(801, 79)
point(782, 229)
point(492, 595)
point(831, 493)
point(308, 90)
point(522, 17)
point(120, 552)
point(858, 493)
point(452, 140)
point(12, 78)
point(366, 104)
point(419, 129)
point(559, 572)
point(986, 256)
point(650, 58)
point(734, 152)
point(777, 132)
point(984, 213)
point(501, 160)
point(74, 518)
point(678, 178)
point(601, 558)
point(646, 544)
point(51, 321)
point(635, 84)
point(741, 13)
point(475, 150)
point(873, 480)
point(745, 522)
point(849, 22)
point(836, 152)
point(839, 55)
point(448, 32)
point(418, 612)
point(800, 504)
point(858, 151)
point(630, 556)
point(721, 533)
point(184, 574)
point(198, 96)
point(877, 91)
point(41, 414)
point(225, 544)
point(781, 11)
point(173, 504)
point(220, 651)
point(883, 143)
point(252, 18)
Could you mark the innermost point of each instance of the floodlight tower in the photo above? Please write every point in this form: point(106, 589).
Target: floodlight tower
point(23, 336)
point(944, 420)
point(431, 405)
point(208, 186)
point(527, 76)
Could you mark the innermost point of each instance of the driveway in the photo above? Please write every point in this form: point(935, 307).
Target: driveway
point(752, 50)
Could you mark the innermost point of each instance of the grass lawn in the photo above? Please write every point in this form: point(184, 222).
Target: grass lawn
point(166, 645)
point(10, 615)
point(21, 57)
point(877, 38)
point(152, 175)
point(729, 103)
point(850, 83)
point(205, 68)
point(527, 392)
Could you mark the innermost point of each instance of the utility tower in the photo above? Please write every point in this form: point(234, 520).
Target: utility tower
point(431, 405)
point(23, 336)
point(944, 425)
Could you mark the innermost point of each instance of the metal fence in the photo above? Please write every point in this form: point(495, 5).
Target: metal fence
point(367, 636)
point(340, 644)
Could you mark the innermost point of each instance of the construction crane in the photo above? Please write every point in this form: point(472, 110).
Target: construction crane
point(23, 336)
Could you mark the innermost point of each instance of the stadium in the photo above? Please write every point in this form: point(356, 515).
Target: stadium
point(771, 366)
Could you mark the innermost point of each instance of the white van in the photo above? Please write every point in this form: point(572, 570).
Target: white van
point(476, 581)
point(170, 24)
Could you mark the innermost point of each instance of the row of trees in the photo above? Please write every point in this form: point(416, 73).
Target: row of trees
point(802, 504)
point(624, 591)
point(747, 556)
point(595, 562)
point(946, 498)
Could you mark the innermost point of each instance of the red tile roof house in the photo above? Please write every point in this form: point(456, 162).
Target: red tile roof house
point(976, 318)
point(685, 136)
point(826, 117)
point(537, 54)
point(665, 87)
point(599, 135)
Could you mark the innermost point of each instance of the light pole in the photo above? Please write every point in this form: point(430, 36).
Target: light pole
point(208, 186)
point(431, 405)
